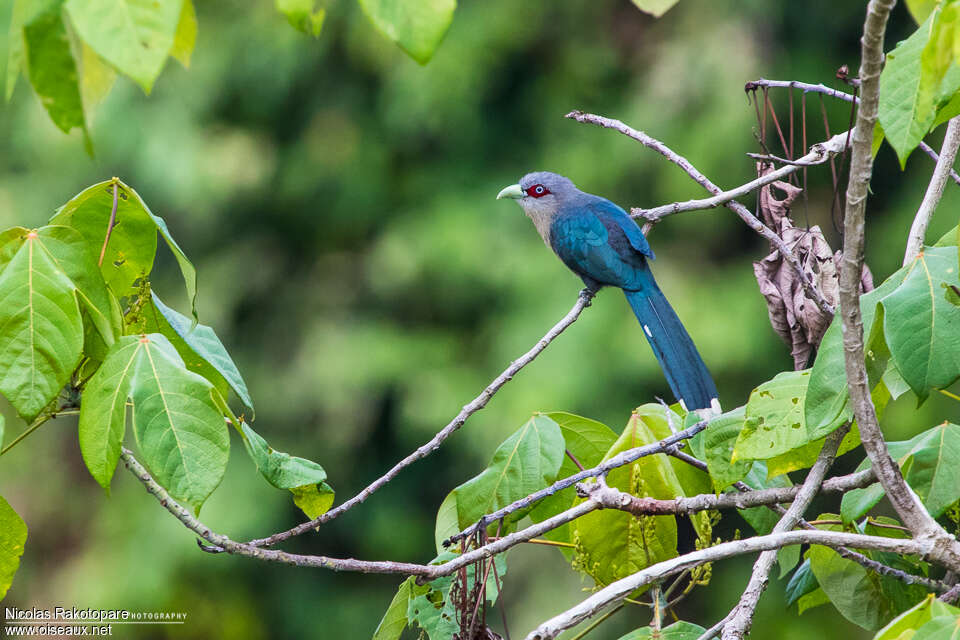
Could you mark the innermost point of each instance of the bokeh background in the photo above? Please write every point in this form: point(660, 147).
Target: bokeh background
point(338, 201)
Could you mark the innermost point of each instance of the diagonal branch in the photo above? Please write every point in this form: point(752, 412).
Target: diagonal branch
point(619, 460)
point(616, 591)
point(752, 221)
point(468, 410)
point(948, 153)
point(739, 625)
point(908, 506)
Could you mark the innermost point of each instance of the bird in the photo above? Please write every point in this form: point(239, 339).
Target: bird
point(599, 242)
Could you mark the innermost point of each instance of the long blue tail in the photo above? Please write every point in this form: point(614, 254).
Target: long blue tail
point(686, 373)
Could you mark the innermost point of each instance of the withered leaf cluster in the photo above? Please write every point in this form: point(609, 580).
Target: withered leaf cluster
point(795, 317)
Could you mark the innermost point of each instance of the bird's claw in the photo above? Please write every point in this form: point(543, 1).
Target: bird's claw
point(587, 295)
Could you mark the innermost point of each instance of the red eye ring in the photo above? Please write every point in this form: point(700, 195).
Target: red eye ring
point(537, 191)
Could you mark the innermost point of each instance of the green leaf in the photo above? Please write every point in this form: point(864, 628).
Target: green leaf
point(774, 421)
point(717, 442)
point(679, 630)
point(302, 15)
point(13, 536)
point(437, 616)
point(104, 409)
point(656, 8)
point(941, 628)
point(52, 69)
point(96, 78)
point(815, 598)
point(939, 75)
point(801, 583)
point(921, 326)
point(588, 441)
point(921, 9)
point(417, 26)
point(805, 456)
point(907, 105)
point(313, 499)
point(135, 36)
point(176, 419)
point(200, 348)
point(133, 243)
point(527, 461)
point(612, 544)
point(394, 620)
point(23, 12)
point(827, 400)
point(42, 339)
point(913, 619)
point(861, 596)
point(787, 558)
point(185, 37)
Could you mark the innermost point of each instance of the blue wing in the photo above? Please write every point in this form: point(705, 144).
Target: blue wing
point(597, 247)
point(618, 222)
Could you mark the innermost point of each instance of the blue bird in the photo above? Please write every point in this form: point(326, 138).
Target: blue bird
point(599, 242)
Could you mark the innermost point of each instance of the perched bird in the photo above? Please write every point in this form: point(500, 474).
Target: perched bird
point(599, 242)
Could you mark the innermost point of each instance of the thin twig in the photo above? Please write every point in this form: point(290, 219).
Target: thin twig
point(840, 95)
point(616, 591)
point(619, 460)
point(583, 301)
point(752, 221)
point(948, 153)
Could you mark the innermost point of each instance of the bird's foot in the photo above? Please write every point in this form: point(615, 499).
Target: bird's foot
point(587, 295)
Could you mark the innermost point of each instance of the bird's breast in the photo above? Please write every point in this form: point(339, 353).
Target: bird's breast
point(541, 220)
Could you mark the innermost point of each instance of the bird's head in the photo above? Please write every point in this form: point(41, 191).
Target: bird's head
point(539, 192)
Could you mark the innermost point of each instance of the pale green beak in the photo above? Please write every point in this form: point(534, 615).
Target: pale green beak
point(513, 191)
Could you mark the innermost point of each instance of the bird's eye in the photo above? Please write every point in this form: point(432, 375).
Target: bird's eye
point(537, 191)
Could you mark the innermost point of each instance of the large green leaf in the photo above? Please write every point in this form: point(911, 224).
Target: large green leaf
point(303, 15)
point(13, 535)
point(394, 619)
point(908, 624)
point(52, 68)
point(42, 336)
point(418, 26)
point(199, 347)
point(679, 630)
point(176, 418)
point(104, 409)
point(921, 9)
point(612, 544)
point(133, 241)
point(186, 36)
point(921, 326)
point(588, 441)
point(135, 36)
point(774, 421)
point(861, 596)
point(907, 106)
point(527, 461)
point(655, 7)
point(827, 400)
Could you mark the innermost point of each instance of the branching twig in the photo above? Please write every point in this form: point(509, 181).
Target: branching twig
point(739, 625)
point(619, 460)
point(617, 591)
point(948, 153)
point(752, 221)
point(908, 506)
point(468, 410)
point(840, 95)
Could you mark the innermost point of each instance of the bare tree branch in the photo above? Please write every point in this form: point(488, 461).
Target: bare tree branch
point(739, 625)
point(948, 153)
point(619, 460)
point(609, 123)
point(819, 153)
point(583, 301)
point(617, 591)
point(833, 93)
point(908, 506)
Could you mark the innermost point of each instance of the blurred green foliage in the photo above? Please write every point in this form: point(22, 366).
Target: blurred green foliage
point(337, 199)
